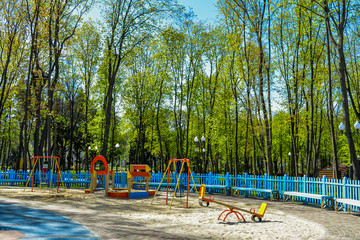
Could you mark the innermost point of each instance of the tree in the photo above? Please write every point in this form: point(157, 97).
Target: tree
point(336, 15)
point(127, 24)
point(254, 12)
point(87, 51)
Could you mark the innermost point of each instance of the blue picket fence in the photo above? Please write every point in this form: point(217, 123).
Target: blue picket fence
point(338, 188)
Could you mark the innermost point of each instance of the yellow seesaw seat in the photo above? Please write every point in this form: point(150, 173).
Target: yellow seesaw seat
point(256, 217)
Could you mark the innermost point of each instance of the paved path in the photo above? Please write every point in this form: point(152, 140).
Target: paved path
point(338, 226)
point(39, 224)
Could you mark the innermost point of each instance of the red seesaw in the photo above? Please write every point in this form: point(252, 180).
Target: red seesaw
point(256, 217)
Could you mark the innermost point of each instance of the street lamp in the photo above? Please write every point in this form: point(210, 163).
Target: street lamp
point(356, 126)
point(341, 127)
point(199, 144)
point(289, 160)
point(196, 140)
point(117, 147)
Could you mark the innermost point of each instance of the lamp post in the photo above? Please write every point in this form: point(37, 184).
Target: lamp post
point(289, 160)
point(87, 163)
point(96, 148)
point(196, 140)
point(199, 144)
point(357, 127)
point(203, 150)
point(117, 163)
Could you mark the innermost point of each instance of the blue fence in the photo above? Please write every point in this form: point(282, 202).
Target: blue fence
point(338, 188)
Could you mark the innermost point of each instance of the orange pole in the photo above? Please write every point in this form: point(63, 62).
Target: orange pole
point(167, 185)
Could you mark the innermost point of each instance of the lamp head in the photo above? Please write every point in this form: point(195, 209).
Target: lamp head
point(357, 125)
point(196, 139)
point(203, 138)
point(341, 127)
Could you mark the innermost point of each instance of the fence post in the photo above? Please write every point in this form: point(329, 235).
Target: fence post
point(304, 188)
point(265, 185)
point(12, 176)
point(246, 180)
point(246, 184)
point(265, 182)
point(344, 191)
point(158, 177)
point(324, 189)
point(285, 183)
point(87, 178)
point(210, 182)
point(227, 181)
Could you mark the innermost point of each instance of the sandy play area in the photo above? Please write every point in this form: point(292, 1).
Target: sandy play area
point(195, 222)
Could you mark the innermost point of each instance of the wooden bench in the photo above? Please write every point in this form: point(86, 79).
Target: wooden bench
point(226, 189)
point(273, 193)
point(69, 182)
point(12, 181)
point(163, 185)
point(345, 202)
point(326, 200)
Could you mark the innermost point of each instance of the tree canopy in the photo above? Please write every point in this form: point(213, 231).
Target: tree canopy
point(267, 85)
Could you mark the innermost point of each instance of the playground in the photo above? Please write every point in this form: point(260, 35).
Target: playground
point(137, 218)
point(137, 212)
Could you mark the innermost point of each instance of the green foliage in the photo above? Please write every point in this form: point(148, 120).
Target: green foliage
point(150, 78)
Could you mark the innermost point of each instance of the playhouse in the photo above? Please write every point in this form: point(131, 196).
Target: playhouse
point(138, 181)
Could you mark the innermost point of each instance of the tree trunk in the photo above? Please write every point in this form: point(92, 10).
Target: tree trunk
point(331, 111)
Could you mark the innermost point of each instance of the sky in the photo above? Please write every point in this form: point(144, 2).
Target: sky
point(204, 9)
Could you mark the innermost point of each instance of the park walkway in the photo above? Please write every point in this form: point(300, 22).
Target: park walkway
point(110, 226)
point(39, 224)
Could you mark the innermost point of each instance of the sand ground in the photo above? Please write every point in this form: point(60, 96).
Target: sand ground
point(194, 222)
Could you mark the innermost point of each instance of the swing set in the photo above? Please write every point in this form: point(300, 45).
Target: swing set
point(172, 162)
point(39, 161)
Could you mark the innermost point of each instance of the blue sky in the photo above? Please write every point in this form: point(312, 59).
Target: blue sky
point(204, 9)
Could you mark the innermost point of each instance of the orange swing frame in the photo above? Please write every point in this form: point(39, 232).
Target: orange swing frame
point(35, 161)
point(167, 172)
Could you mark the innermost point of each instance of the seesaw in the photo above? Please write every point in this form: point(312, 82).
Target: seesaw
point(256, 217)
